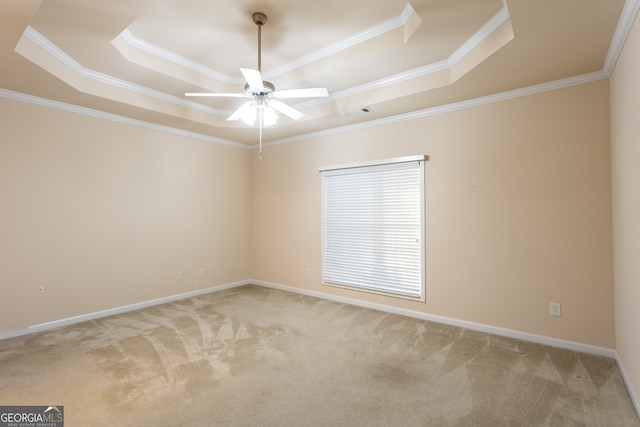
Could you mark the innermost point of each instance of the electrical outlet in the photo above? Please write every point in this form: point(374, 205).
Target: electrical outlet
point(178, 275)
point(307, 272)
point(555, 309)
point(201, 271)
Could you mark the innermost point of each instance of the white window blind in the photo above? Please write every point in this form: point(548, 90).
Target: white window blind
point(373, 226)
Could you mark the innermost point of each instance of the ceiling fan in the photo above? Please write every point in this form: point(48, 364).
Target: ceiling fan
point(264, 96)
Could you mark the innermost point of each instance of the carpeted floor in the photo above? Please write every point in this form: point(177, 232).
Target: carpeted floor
point(254, 356)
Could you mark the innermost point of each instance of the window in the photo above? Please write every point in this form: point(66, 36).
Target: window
point(373, 226)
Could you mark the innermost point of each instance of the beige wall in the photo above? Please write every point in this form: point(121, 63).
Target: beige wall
point(625, 159)
point(102, 214)
point(518, 212)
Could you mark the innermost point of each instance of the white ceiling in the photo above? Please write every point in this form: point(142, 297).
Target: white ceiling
point(135, 59)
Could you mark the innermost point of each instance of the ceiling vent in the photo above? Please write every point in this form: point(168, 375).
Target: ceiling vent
point(357, 112)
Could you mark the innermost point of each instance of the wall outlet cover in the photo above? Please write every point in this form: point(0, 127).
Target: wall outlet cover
point(555, 309)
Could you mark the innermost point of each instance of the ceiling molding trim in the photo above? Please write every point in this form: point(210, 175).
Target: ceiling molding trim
point(54, 51)
point(485, 100)
point(30, 99)
point(628, 15)
point(456, 106)
point(368, 34)
point(491, 26)
point(487, 29)
point(377, 30)
point(377, 84)
point(45, 44)
point(625, 22)
point(132, 41)
point(406, 14)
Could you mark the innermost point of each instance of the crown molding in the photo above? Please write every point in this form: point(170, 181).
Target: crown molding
point(131, 40)
point(441, 109)
point(391, 24)
point(375, 31)
point(628, 15)
point(359, 38)
point(491, 26)
point(43, 102)
point(71, 64)
point(625, 22)
point(501, 17)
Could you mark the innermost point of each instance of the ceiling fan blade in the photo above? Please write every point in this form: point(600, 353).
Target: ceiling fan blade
point(218, 94)
point(253, 78)
point(286, 109)
point(314, 92)
point(240, 111)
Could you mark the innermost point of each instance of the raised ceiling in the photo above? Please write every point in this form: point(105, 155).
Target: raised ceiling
point(135, 59)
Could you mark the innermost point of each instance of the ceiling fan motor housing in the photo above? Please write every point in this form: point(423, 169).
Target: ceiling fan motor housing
point(268, 89)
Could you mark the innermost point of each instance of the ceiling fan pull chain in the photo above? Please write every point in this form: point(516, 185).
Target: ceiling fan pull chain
point(260, 149)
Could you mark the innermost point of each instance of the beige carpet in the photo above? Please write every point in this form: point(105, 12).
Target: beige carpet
point(254, 356)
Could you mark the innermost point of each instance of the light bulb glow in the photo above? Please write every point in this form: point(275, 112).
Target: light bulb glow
point(249, 113)
point(269, 116)
point(250, 110)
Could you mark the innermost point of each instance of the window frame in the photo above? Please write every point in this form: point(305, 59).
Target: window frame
point(378, 166)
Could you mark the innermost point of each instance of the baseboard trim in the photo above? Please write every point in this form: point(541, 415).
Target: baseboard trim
point(540, 339)
point(510, 333)
point(117, 310)
point(554, 342)
point(627, 382)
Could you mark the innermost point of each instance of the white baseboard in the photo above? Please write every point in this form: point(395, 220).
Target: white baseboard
point(540, 339)
point(569, 345)
point(625, 377)
point(117, 310)
point(554, 342)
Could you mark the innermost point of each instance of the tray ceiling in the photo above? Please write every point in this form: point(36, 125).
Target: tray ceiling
point(135, 59)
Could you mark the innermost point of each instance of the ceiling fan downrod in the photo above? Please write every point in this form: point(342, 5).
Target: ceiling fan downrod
point(259, 19)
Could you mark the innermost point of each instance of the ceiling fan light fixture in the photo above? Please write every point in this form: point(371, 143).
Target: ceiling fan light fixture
point(269, 116)
point(249, 110)
point(266, 99)
point(249, 114)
